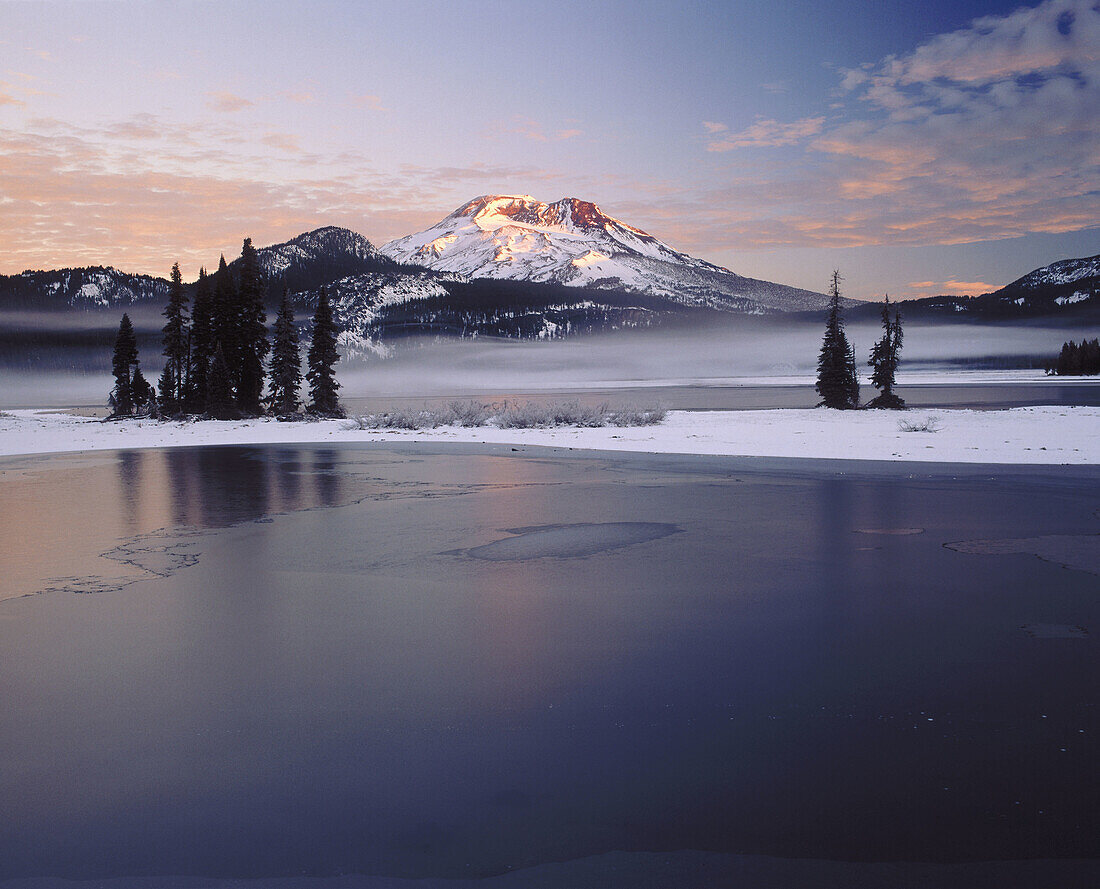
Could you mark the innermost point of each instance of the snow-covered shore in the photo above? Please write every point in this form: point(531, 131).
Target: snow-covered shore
point(1040, 435)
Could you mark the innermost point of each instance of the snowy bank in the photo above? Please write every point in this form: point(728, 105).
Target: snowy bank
point(1049, 435)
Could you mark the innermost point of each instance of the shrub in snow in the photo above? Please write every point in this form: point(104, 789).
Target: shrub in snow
point(467, 413)
point(510, 416)
point(928, 424)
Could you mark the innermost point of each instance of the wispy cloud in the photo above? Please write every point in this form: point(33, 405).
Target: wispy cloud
point(714, 127)
point(282, 141)
point(532, 130)
point(765, 134)
point(139, 195)
point(369, 101)
point(227, 102)
point(989, 132)
point(952, 287)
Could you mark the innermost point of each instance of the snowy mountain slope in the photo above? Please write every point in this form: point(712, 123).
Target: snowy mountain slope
point(329, 245)
point(1067, 271)
point(358, 299)
point(572, 242)
point(317, 258)
point(87, 289)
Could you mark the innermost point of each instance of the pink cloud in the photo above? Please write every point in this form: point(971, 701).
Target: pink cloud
point(227, 102)
point(369, 101)
point(532, 130)
point(953, 287)
point(767, 134)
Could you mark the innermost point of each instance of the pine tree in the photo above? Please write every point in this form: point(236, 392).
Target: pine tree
point(142, 392)
point(837, 382)
point(202, 343)
point(166, 391)
point(286, 362)
point(125, 356)
point(226, 321)
point(173, 379)
point(321, 359)
point(884, 360)
point(252, 332)
point(220, 402)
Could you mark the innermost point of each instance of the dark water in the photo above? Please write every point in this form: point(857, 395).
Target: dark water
point(426, 662)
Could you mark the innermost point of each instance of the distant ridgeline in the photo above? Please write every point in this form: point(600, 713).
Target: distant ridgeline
point(378, 297)
point(1067, 290)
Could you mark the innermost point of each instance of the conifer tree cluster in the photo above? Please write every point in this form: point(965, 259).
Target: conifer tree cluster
point(1077, 360)
point(215, 359)
point(837, 382)
point(132, 393)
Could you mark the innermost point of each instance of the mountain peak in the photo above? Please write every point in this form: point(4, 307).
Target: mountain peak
point(494, 211)
point(572, 241)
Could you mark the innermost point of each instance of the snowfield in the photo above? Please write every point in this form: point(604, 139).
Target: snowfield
point(1046, 435)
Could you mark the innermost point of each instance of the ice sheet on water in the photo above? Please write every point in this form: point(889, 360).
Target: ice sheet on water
point(569, 541)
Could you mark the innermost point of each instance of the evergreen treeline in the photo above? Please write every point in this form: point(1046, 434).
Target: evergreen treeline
point(215, 354)
point(522, 310)
point(1077, 360)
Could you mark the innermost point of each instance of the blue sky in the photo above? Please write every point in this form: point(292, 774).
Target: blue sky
point(920, 148)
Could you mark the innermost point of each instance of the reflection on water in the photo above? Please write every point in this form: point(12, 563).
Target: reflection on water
point(733, 668)
point(74, 513)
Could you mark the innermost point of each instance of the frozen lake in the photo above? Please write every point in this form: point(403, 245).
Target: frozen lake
point(463, 661)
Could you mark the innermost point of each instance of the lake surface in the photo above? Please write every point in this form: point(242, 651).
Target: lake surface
point(455, 662)
point(749, 396)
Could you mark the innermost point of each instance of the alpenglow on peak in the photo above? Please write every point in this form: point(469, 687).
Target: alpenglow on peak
point(572, 241)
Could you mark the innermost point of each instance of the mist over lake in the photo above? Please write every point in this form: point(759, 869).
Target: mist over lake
point(72, 363)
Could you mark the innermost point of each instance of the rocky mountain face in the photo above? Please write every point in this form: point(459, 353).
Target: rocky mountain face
point(572, 242)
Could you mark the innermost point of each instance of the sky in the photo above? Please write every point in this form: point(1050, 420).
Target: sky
point(920, 148)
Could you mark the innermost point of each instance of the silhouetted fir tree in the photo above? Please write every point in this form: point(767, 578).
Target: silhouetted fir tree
point(220, 404)
point(173, 378)
point(227, 321)
point(124, 358)
point(837, 383)
point(884, 360)
point(321, 359)
point(142, 392)
point(166, 391)
point(202, 342)
point(286, 361)
point(252, 332)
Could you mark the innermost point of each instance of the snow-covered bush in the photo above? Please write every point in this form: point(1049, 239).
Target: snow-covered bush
point(467, 413)
point(510, 416)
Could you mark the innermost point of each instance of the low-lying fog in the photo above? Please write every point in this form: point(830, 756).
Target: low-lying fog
point(750, 349)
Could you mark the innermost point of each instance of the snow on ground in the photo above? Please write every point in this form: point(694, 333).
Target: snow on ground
point(1049, 435)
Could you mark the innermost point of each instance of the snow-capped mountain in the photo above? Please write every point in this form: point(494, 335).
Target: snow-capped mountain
point(95, 287)
point(317, 258)
point(1068, 271)
point(573, 242)
point(329, 246)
